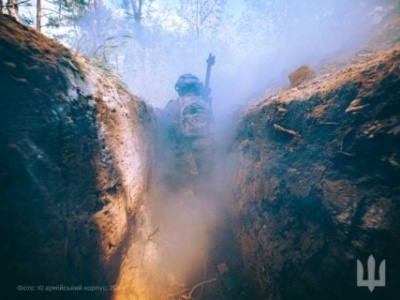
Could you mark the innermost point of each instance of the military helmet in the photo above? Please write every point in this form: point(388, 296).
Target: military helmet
point(188, 83)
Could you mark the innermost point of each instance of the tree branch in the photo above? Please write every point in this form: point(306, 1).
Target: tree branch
point(202, 20)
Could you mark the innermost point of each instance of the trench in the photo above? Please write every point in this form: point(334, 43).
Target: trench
point(188, 240)
point(97, 204)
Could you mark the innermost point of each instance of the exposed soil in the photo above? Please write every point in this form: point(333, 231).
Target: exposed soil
point(318, 184)
point(315, 185)
point(73, 169)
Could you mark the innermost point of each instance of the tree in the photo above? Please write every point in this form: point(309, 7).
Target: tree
point(12, 8)
point(137, 10)
point(60, 18)
point(201, 15)
point(39, 15)
point(137, 6)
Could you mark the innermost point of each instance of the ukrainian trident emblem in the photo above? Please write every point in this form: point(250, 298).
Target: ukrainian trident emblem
point(371, 282)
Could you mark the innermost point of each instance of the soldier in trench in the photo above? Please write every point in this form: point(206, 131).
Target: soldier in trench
point(186, 123)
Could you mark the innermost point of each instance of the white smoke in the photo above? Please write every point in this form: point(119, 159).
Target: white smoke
point(256, 43)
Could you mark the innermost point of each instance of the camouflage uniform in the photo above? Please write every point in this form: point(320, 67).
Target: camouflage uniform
point(187, 131)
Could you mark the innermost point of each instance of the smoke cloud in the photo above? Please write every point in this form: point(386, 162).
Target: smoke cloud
point(256, 44)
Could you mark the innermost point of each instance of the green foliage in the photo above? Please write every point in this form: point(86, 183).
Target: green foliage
point(26, 20)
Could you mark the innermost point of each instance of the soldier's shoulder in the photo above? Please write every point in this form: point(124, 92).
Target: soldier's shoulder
point(171, 103)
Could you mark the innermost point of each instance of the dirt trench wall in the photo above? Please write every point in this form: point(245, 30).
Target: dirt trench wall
point(74, 161)
point(318, 184)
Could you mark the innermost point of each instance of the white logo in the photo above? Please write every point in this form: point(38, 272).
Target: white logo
point(371, 282)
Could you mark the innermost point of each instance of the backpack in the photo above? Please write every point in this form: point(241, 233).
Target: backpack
point(195, 116)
